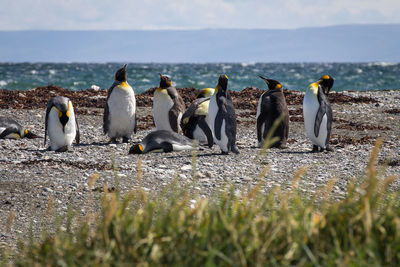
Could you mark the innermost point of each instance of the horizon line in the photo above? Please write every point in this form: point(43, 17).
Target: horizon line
point(203, 29)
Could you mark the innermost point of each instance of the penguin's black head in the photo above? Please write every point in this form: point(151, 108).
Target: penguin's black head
point(120, 75)
point(327, 82)
point(28, 134)
point(165, 81)
point(272, 84)
point(136, 149)
point(223, 82)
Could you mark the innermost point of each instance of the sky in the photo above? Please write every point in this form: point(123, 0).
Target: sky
point(195, 14)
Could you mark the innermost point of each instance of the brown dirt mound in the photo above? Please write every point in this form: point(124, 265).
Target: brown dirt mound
point(90, 98)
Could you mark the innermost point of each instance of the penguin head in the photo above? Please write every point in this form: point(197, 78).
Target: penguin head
point(207, 92)
point(165, 81)
point(272, 84)
point(327, 82)
point(120, 75)
point(136, 149)
point(222, 82)
point(28, 134)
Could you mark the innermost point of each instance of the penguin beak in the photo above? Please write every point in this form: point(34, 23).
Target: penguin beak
point(265, 79)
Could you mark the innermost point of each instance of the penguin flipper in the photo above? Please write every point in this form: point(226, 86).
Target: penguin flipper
point(106, 119)
point(218, 124)
point(207, 131)
point(329, 123)
point(77, 136)
point(173, 119)
point(46, 121)
point(260, 121)
point(135, 127)
point(106, 115)
point(318, 119)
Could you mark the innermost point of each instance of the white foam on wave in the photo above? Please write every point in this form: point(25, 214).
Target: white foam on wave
point(52, 72)
point(3, 83)
point(95, 87)
point(382, 64)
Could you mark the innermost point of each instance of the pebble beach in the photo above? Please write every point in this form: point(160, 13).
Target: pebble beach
point(31, 177)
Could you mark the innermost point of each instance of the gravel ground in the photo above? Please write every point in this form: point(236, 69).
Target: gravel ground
point(30, 176)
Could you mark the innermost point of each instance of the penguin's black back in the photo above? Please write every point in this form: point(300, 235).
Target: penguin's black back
point(273, 106)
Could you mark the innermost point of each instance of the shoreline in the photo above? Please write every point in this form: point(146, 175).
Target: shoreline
point(31, 176)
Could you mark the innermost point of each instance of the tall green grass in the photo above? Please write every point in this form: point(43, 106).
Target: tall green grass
point(275, 228)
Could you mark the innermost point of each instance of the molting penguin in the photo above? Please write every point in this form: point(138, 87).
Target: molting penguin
point(168, 106)
point(11, 129)
point(162, 141)
point(61, 124)
point(120, 110)
point(195, 122)
point(271, 107)
point(222, 117)
point(318, 113)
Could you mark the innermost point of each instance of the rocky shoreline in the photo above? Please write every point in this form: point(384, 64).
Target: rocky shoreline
point(31, 177)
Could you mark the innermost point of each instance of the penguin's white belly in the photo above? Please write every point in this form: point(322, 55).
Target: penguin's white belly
point(58, 137)
point(310, 110)
point(180, 147)
point(162, 104)
point(122, 110)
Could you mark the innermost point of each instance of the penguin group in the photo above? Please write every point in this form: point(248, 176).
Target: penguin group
point(210, 118)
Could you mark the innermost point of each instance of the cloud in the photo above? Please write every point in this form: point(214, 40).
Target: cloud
point(183, 14)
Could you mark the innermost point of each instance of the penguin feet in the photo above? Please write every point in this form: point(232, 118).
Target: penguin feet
point(329, 148)
point(114, 140)
point(125, 139)
point(235, 150)
point(314, 149)
point(62, 149)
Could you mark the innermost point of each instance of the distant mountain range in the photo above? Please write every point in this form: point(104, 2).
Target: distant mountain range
point(345, 43)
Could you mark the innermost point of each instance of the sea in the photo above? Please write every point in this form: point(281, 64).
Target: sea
point(296, 76)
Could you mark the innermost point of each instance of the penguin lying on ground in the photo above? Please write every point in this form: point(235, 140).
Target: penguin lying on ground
point(120, 109)
point(61, 124)
point(222, 117)
point(11, 129)
point(168, 106)
point(271, 107)
point(194, 122)
point(317, 113)
point(162, 141)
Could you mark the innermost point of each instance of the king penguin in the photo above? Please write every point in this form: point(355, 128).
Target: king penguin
point(317, 113)
point(168, 106)
point(162, 141)
point(61, 124)
point(271, 107)
point(11, 129)
point(206, 92)
point(195, 122)
point(222, 117)
point(120, 109)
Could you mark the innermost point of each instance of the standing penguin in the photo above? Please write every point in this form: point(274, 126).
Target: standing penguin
point(222, 117)
point(168, 106)
point(61, 124)
point(271, 107)
point(120, 110)
point(317, 113)
point(11, 129)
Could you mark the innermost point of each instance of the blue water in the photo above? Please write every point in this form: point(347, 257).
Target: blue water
point(78, 76)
